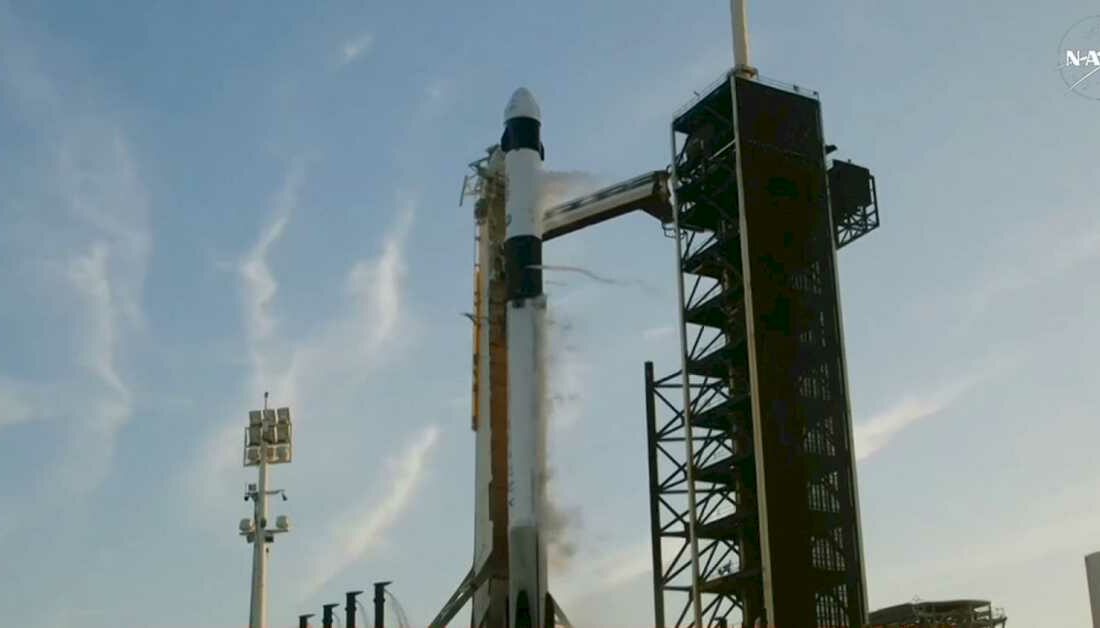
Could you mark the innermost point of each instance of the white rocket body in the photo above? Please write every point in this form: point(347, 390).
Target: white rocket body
point(526, 314)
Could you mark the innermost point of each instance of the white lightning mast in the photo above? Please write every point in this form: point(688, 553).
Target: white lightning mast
point(739, 20)
point(266, 441)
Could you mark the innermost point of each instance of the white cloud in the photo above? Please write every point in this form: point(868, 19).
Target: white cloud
point(258, 290)
point(881, 428)
point(356, 47)
point(1036, 253)
point(356, 533)
point(1058, 521)
point(876, 433)
point(318, 372)
point(16, 406)
point(258, 287)
point(364, 332)
point(258, 283)
point(105, 195)
point(87, 241)
point(91, 279)
point(376, 286)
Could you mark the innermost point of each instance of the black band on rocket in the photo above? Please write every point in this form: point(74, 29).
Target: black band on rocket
point(521, 133)
point(523, 266)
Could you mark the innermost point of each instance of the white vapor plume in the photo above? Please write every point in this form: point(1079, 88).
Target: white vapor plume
point(358, 532)
point(560, 187)
point(563, 379)
point(559, 526)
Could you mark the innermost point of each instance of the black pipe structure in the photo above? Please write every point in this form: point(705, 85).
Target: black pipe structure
point(349, 608)
point(380, 603)
point(303, 620)
point(326, 616)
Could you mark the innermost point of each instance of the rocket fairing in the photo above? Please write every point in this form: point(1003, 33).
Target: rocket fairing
point(526, 312)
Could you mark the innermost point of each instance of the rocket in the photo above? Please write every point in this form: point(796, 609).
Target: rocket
point(526, 313)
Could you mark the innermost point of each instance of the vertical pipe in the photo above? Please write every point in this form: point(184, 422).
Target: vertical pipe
point(740, 23)
point(349, 609)
point(1092, 573)
point(689, 443)
point(380, 604)
point(654, 508)
point(258, 611)
point(303, 620)
point(326, 615)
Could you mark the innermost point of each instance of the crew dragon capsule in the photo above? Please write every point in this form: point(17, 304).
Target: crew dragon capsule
point(526, 312)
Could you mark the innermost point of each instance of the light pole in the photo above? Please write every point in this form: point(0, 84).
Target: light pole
point(267, 441)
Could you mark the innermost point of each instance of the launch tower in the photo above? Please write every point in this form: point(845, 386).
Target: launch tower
point(754, 508)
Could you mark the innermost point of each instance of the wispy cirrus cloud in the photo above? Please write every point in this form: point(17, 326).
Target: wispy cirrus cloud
point(1031, 255)
point(85, 239)
point(258, 284)
point(258, 287)
point(355, 533)
point(1061, 521)
point(318, 371)
point(356, 47)
point(16, 403)
point(877, 432)
point(106, 275)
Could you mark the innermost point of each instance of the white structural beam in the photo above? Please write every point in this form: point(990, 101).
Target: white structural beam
point(648, 192)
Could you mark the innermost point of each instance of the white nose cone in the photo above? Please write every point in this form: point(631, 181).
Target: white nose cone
point(522, 105)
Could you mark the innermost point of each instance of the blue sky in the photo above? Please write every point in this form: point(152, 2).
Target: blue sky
point(205, 201)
